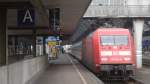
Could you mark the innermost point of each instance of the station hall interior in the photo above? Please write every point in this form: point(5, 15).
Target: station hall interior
point(40, 39)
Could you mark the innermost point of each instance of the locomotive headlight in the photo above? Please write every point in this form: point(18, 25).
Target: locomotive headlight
point(106, 53)
point(97, 65)
point(127, 59)
point(104, 59)
point(124, 53)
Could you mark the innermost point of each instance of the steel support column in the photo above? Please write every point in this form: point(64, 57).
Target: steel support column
point(3, 16)
point(138, 25)
point(44, 47)
point(34, 42)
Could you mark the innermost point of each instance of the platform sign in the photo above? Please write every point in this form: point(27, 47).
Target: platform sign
point(26, 17)
point(52, 43)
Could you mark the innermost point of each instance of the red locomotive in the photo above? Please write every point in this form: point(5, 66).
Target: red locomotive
point(108, 52)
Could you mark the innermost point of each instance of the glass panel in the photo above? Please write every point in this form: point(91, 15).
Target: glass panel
point(107, 40)
point(114, 40)
point(121, 40)
point(19, 48)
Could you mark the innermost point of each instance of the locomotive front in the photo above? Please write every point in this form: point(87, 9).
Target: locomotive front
point(116, 53)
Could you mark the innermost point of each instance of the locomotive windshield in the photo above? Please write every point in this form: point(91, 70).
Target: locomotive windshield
point(114, 40)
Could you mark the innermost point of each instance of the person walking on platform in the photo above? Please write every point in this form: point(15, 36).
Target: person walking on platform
point(54, 52)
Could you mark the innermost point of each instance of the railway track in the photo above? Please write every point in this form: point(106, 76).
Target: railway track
point(130, 81)
point(146, 62)
point(146, 58)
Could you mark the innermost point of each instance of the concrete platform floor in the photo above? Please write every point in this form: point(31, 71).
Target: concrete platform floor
point(66, 70)
point(143, 75)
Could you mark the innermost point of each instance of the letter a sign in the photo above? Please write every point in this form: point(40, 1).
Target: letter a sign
point(26, 17)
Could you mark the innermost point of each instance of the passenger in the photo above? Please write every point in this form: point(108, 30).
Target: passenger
point(62, 49)
point(54, 52)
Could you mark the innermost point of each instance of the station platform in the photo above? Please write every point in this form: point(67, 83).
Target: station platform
point(66, 70)
point(143, 75)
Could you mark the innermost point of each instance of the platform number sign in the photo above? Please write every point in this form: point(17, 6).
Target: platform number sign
point(26, 17)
